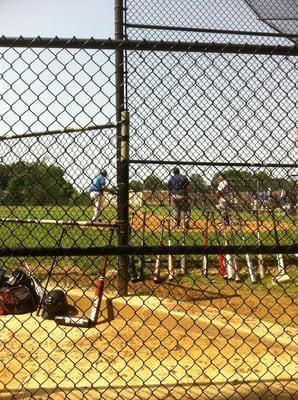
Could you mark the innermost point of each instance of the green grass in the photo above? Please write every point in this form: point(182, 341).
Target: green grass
point(46, 235)
point(32, 235)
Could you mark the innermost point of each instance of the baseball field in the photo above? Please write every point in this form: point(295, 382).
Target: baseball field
point(194, 336)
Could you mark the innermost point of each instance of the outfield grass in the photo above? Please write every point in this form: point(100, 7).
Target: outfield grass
point(32, 235)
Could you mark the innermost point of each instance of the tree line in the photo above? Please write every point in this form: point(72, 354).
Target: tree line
point(34, 184)
point(239, 181)
point(38, 183)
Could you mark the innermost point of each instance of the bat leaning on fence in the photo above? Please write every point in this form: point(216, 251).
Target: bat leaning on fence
point(132, 259)
point(183, 256)
point(234, 258)
point(261, 267)
point(205, 242)
point(252, 276)
point(157, 266)
point(37, 287)
point(140, 276)
point(228, 258)
point(282, 276)
point(220, 257)
point(170, 256)
point(54, 262)
point(96, 303)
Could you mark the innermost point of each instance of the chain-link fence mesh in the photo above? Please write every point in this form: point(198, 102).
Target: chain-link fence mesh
point(210, 273)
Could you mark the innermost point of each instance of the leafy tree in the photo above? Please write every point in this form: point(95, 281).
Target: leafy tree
point(153, 183)
point(240, 181)
point(243, 181)
point(37, 184)
point(4, 176)
point(197, 183)
point(136, 185)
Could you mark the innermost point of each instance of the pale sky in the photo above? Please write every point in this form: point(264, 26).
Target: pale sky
point(237, 102)
point(63, 18)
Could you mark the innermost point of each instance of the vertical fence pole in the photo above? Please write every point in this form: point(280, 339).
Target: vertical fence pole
point(122, 153)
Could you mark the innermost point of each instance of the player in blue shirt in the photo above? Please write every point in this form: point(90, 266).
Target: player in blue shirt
point(98, 186)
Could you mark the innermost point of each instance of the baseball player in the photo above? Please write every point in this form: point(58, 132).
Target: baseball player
point(222, 194)
point(98, 186)
point(178, 192)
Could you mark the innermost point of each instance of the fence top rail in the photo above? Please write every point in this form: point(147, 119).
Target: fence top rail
point(284, 35)
point(141, 45)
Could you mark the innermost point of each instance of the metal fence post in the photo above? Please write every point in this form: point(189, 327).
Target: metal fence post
point(122, 153)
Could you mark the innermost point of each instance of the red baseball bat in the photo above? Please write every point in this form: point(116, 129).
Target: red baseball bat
point(96, 303)
point(220, 257)
point(157, 266)
point(170, 258)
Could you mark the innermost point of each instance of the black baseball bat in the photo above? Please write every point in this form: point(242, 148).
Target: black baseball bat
point(132, 260)
point(142, 257)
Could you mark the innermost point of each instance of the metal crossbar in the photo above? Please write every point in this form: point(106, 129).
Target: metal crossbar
point(58, 222)
point(53, 132)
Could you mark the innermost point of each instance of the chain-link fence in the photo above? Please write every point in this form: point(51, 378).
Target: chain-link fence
point(162, 167)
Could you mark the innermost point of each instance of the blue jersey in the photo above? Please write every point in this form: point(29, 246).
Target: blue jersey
point(178, 184)
point(98, 184)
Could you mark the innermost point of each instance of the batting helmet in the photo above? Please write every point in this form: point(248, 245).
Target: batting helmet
point(104, 173)
point(54, 304)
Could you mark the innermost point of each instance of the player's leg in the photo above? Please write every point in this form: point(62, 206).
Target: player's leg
point(176, 211)
point(186, 210)
point(96, 205)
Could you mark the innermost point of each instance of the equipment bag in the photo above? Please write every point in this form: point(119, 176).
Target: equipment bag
point(17, 300)
point(17, 294)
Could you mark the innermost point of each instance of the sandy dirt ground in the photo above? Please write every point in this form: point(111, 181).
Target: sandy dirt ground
point(145, 345)
point(160, 342)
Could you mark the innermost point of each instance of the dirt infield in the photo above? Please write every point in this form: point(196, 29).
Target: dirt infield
point(149, 343)
point(153, 223)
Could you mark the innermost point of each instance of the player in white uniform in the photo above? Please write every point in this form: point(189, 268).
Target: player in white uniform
point(222, 195)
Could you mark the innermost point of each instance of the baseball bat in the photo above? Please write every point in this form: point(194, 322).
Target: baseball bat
point(220, 257)
point(249, 264)
point(132, 260)
point(96, 303)
point(228, 258)
point(234, 259)
point(142, 257)
point(279, 257)
point(183, 256)
point(38, 289)
point(261, 268)
point(54, 262)
point(206, 241)
point(170, 257)
point(81, 322)
point(282, 276)
point(132, 267)
point(99, 286)
point(157, 266)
